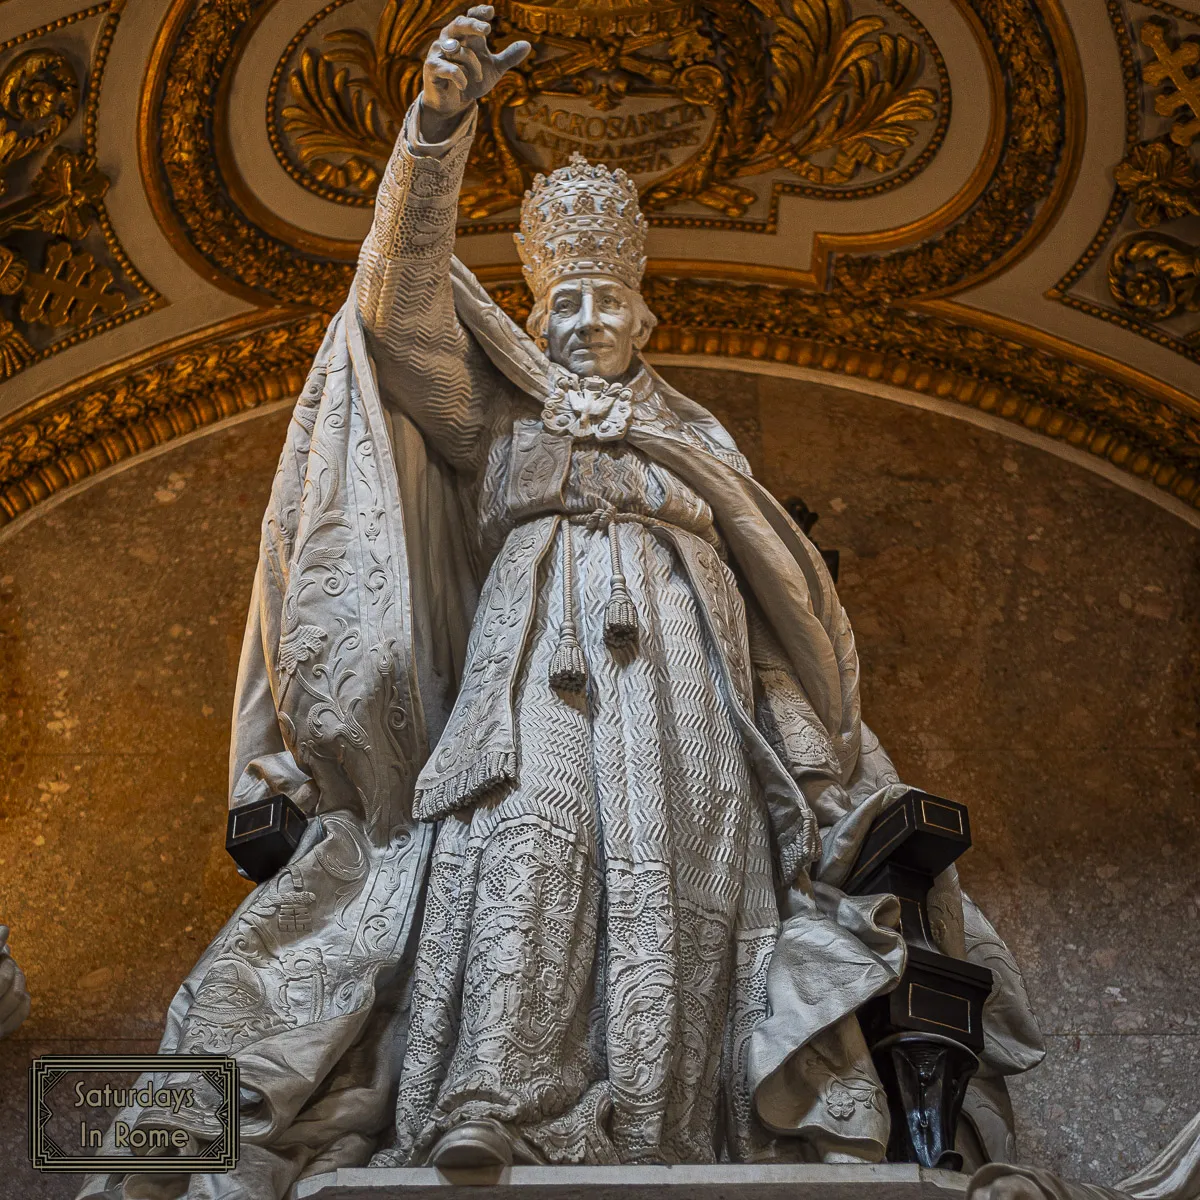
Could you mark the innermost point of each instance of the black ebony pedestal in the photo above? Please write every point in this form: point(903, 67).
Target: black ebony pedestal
point(926, 1034)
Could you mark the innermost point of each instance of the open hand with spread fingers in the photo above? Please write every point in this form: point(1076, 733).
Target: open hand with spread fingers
point(460, 69)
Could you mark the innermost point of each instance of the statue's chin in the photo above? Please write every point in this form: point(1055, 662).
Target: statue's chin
point(586, 365)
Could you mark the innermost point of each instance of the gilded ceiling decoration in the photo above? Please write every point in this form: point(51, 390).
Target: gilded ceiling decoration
point(848, 185)
point(63, 274)
point(1142, 270)
point(169, 394)
point(194, 177)
point(680, 95)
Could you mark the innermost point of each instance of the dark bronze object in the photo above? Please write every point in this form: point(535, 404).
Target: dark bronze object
point(262, 836)
point(926, 1034)
point(925, 1076)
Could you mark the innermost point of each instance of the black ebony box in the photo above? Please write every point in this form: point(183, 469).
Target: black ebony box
point(263, 836)
point(911, 842)
point(921, 832)
point(936, 994)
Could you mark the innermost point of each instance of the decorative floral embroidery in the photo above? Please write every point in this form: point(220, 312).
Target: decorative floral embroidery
point(843, 1094)
point(596, 940)
point(839, 1101)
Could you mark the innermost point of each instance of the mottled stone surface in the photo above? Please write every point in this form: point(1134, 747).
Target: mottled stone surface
point(1029, 646)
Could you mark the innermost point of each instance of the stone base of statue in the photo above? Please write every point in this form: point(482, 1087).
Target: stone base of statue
point(723, 1181)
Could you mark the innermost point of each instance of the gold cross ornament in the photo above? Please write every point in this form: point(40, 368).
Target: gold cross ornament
point(1171, 65)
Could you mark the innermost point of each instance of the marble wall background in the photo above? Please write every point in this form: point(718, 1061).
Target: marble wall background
point(1029, 641)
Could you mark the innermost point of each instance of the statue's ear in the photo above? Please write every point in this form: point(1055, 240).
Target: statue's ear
point(646, 323)
point(536, 323)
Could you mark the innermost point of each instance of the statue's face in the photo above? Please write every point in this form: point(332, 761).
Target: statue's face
point(591, 326)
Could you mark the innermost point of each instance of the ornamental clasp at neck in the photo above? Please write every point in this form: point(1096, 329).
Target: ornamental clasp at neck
point(590, 407)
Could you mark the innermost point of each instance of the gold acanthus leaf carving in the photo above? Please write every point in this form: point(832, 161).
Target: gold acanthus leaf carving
point(40, 88)
point(196, 209)
point(216, 228)
point(63, 199)
point(831, 89)
point(1161, 181)
point(1024, 177)
point(347, 101)
point(149, 405)
point(1155, 276)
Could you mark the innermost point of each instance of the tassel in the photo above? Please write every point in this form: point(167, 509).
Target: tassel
point(620, 614)
point(568, 667)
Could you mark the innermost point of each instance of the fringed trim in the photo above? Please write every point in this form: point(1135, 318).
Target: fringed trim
point(620, 615)
point(568, 667)
point(495, 769)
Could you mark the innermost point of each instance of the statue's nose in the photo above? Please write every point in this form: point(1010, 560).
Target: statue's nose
point(588, 313)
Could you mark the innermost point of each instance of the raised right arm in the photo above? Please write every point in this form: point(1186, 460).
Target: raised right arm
point(428, 365)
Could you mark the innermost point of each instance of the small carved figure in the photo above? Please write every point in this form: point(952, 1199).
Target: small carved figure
point(573, 707)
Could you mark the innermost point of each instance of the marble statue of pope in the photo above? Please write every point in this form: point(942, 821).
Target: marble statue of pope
point(574, 708)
